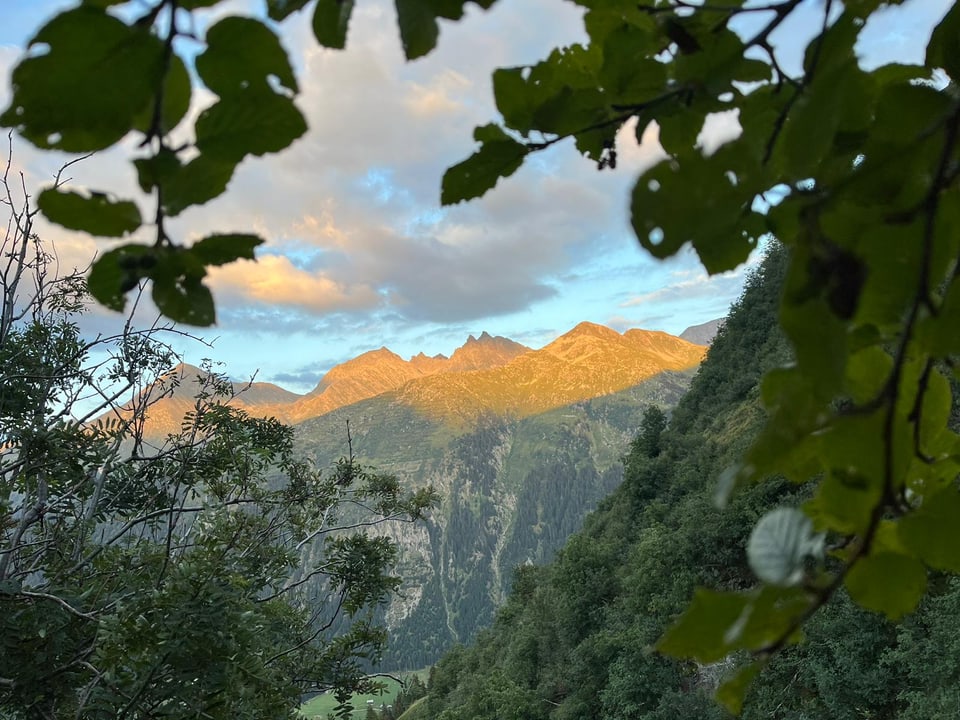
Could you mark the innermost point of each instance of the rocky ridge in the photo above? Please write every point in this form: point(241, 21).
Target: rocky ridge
point(488, 375)
point(519, 443)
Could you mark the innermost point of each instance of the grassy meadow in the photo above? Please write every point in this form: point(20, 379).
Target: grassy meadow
point(320, 706)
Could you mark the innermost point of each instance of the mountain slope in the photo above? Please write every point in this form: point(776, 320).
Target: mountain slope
point(365, 376)
point(572, 639)
point(513, 489)
point(483, 353)
point(487, 376)
point(174, 395)
point(587, 362)
point(703, 333)
point(381, 371)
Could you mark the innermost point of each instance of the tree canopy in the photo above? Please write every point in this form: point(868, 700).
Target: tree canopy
point(854, 170)
point(167, 579)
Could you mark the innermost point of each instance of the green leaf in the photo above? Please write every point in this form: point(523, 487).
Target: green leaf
point(176, 276)
point(780, 544)
point(867, 373)
point(698, 200)
point(418, 27)
point(176, 101)
point(733, 689)
point(810, 127)
point(820, 339)
point(116, 272)
point(570, 111)
point(679, 129)
point(417, 19)
point(186, 300)
point(718, 623)
point(716, 59)
point(330, 21)
point(930, 531)
point(628, 71)
point(888, 583)
point(937, 403)
point(223, 249)
point(906, 110)
point(178, 290)
point(894, 265)
point(96, 214)
point(196, 183)
point(834, 47)
point(156, 170)
point(499, 156)
point(241, 55)
point(252, 121)
point(701, 631)
point(52, 93)
point(849, 443)
point(282, 9)
point(937, 333)
point(770, 615)
point(943, 50)
point(844, 502)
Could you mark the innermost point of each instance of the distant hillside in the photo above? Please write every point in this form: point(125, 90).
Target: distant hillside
point(512, 490)
point(520, 444)
point(703, 333)
point(587, 362)
point(486, 376)
point(574, 637)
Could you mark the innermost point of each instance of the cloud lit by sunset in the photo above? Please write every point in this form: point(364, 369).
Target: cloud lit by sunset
point(360, 254)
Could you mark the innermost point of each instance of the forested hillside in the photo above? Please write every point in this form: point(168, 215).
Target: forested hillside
point(512, 490)
point(575, 638)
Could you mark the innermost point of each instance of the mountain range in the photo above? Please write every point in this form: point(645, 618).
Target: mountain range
point(520, 444)
point(487, 375)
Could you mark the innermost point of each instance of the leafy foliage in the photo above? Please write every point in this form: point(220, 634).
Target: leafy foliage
point(855, 170)
point(578, 635)
point(140, 581)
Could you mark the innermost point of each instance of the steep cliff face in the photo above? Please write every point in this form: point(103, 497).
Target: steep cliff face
point(513, 490)
point(365, 376)
point(519, 443)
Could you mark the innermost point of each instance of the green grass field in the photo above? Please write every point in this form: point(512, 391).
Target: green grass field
point(322, 705)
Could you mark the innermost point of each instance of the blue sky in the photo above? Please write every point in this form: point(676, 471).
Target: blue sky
point(359, 253)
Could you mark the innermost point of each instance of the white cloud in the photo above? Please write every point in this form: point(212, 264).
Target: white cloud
point(695, 284)
point(442, 95)
point(358, 250)
point(275, 281)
